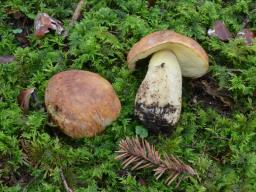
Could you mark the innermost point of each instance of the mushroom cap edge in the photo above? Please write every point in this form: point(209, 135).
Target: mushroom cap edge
point(191, 56)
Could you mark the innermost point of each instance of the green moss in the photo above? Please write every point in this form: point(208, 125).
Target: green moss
point(220, 147)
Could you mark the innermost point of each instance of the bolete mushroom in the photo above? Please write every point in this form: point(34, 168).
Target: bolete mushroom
point(158, 100)
point(81, 103)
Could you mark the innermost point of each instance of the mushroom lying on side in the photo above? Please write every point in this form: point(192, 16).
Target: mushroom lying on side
point(158, 100)
point(81, 103)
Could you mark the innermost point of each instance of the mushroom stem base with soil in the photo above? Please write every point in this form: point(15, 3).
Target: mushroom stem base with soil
point(158, 100)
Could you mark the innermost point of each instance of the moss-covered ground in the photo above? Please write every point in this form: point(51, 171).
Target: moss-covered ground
point(217, 138)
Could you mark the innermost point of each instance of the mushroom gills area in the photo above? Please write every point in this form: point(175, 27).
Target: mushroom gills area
point(158, 100)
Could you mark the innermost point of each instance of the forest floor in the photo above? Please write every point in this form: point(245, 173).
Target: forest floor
point(216, 134)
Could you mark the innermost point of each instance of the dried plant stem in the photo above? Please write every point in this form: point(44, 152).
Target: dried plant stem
point(75, 16)
point(65, 183)
point(63, 178)
point(77, 12)
point(140, 154)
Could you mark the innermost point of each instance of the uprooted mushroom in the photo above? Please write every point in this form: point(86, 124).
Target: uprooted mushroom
point(158, 100)
point(81, 103)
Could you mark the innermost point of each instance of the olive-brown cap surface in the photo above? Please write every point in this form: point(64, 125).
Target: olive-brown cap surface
point(191, 56)
point(81, 103)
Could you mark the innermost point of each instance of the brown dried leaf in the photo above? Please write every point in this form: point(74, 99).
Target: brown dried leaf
point(16, 13)
point(248, 36)
point(215, 92)
point(44, 22)
point(151, 3)
point(220, 30)
point(6, 59)
point(23, 40)
point(206, 90)
point(24, 99)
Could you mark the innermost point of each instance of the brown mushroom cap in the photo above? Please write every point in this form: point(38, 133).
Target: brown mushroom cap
point(191, 56)
point(81, 103)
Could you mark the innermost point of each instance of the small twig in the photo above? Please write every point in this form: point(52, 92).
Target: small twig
point(77, 12)
point(68, 189)
point(234, 70)
point(75, 16)
point(63, 178)
point(245, 23)
point(221, 138)
point(215, 158)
